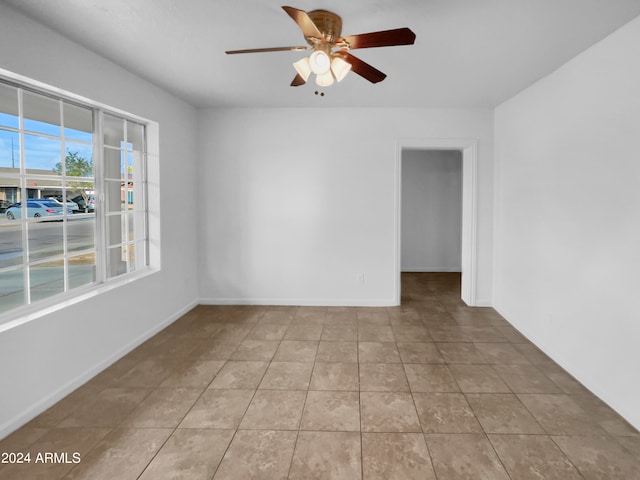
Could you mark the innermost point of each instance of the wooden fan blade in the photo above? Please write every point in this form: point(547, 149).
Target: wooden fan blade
point(386, 38)
point(307, 26)
point(262, 50)
point(363, 69)
point(298, 81)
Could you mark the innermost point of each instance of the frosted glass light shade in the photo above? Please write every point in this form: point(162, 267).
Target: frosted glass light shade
point(319, 62)
point(340, 68)
point(303, 68)
point(324, 80)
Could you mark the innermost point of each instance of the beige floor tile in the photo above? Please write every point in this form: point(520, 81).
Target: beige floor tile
point(533, 457)
point(311, 315)
point(478, 379)
point(296, 351)
point(339, 333)
point(411, 333)
point(464, 457)
point(258, 350)
point(461, 353)
point(533, 354)
point(342, 316)
point(599, 458)
point(559, 414)
point(72, 443)
point(388, 412)
point(124, 453)
point(267, 331)
point(372, 316)
point(383, 377)
point(419, 352)
point(193, 373)
point(218, 350)
point(218, 409)
point(327, 455)
point(449, 333)
point(502, 413)
point(403, 456)
point(332, 411)
point(287, 376)
point(67, 406)
point(240, 374)
point(148, 373)
point(501, 354)
point(257, 455)
point(274, 410)
point(375, 333)
point(339, 352)
point(526, 379)
point(565, 382)
point(23, 438)
point(305, 332)
point(378, 352)
point(445, 413)
point(430, 378)
point(107, 409)
point(335, 376)
point(190, 454)
point(163, 408)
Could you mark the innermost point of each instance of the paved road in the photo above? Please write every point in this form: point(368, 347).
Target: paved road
point(45, 238)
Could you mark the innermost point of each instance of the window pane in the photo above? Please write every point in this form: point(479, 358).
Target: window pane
point(9, 106)
point(48, 190)
point(117, 264)
point(78, 123)
point(42, 155)
point(41, 114)
point(114, 195)
point(11, 289)
point(78, 160)
point(135, 136)
point(113, 163)
point(81, 193)
point(81, 233)
point(82, 270)
point(47, 279)
point(10, 151)
point(113, 130)
point(10, 243)
point(45, 240)
point(115, 230)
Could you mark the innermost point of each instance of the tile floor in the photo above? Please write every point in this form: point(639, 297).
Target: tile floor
point(429, 390)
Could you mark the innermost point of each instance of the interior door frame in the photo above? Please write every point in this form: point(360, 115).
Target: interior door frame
point(469, 149)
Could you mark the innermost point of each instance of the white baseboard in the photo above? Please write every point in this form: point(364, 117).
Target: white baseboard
point(36, 409)
point(303, 302)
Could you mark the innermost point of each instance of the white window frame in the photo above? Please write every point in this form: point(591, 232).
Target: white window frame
point(149, 189)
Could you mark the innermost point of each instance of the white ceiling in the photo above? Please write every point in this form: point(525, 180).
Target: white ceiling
point(468, 53)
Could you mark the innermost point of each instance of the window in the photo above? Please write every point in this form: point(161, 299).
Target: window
point(73, 196)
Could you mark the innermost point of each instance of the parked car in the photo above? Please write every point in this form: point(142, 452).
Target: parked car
point(72, 205)
point(4, 205)
point(36, 208)
point(88, 205)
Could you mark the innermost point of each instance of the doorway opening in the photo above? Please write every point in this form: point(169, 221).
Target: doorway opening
point(462, 256)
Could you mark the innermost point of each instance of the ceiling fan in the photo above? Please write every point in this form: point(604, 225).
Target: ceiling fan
point(330, 59)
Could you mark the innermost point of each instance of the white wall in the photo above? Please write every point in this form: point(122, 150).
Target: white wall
point(431, 211)
point(47, 357)
point(567, 229)
point(297, 204)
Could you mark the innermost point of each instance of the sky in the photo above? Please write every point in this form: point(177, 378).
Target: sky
point(40, 152)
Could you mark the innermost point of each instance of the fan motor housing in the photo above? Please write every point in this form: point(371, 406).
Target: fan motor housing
point(327, 22)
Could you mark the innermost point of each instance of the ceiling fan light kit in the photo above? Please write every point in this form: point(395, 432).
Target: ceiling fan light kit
point(330, 59)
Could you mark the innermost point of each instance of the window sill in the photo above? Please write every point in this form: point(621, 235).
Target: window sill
point(23, 315)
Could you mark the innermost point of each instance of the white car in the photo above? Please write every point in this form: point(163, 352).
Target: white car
point(72, 205)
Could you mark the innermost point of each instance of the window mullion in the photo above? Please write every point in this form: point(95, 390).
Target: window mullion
point(100, 210)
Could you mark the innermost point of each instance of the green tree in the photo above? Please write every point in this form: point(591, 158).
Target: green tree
point(75, 166)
